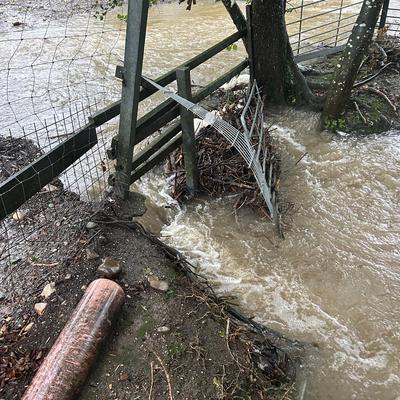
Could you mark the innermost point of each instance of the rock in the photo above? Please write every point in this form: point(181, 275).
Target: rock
point(133, 206)
point(19, 215)
point(2, 295)
point(28, 327)
point(91, 225)
point(163, 329)
point(91, 254)
point(157, 284)
point(40, 307)
point(84, 287)
point(48, 290)
point(124, 376)
point(110, 268)
point(5, 310)
point(50, 188)
point(102, 240)
point(67, 277)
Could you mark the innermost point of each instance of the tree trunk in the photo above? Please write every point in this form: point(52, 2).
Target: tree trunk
point(271, 69)
point(347, 68)
point(274, 67)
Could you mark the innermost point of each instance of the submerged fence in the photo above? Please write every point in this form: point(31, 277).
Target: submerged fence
point(59, 110)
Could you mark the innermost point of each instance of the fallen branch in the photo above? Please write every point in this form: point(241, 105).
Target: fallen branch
point(370, 78)
point(171, 396)
point(152, 379)
point(382, 51)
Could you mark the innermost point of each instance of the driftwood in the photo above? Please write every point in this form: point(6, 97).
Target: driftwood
point(222, 170)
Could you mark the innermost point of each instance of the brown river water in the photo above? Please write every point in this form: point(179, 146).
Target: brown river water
point(335, 279)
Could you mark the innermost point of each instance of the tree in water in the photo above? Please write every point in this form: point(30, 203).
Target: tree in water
point(274, 67)
point(349, 63)
point(278, 74)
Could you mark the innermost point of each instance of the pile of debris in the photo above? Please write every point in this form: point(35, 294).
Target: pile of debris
point(16, 362)
point(222, 170)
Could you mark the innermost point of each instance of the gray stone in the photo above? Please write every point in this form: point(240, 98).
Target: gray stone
point(132, 207)
point(163, 329)
point(19, 215)
point(91, 254)
point(102, 240)
point(48, 290)
point(91, 225)
point(40, 307)
point(110, 268)
point(158, 284)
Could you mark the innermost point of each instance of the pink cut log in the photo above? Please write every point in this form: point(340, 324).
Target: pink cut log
point(66, 367)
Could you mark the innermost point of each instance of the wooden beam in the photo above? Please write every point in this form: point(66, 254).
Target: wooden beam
point(188, 134)
point(20, 187)
point(157, 157)
point(132, 72)
point(156, 119)
point(324, 52)
point(113, 110)
point(155, 145)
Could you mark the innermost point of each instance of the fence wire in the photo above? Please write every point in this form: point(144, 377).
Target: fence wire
point(57, 69)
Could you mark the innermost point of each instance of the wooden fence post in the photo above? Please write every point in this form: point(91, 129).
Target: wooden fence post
point(131, 78)
point(188, 134)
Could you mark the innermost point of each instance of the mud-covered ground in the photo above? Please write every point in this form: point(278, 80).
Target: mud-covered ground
point(178, 343)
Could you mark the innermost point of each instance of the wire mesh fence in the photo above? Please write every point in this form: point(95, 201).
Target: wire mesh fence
point(57, 69)
point(320, 23)
point(393, 19)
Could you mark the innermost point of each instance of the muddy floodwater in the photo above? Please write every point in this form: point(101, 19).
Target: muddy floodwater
point(335, 279)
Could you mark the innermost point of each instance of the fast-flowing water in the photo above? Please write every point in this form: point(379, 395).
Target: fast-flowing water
point(335, 279)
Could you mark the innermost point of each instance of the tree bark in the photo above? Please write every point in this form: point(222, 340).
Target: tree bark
point(271, 69)
point(349, 63)
point(275, 70)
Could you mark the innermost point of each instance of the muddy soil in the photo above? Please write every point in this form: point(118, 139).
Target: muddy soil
point(177, 343)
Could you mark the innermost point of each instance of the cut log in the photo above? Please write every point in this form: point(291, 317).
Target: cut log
point(68, 363)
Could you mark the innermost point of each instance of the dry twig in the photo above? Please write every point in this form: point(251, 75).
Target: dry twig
point(171, 396)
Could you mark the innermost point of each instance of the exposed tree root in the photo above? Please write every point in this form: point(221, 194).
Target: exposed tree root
point(381, 94)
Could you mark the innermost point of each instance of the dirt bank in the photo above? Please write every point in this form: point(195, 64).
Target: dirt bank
point(179, 342)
